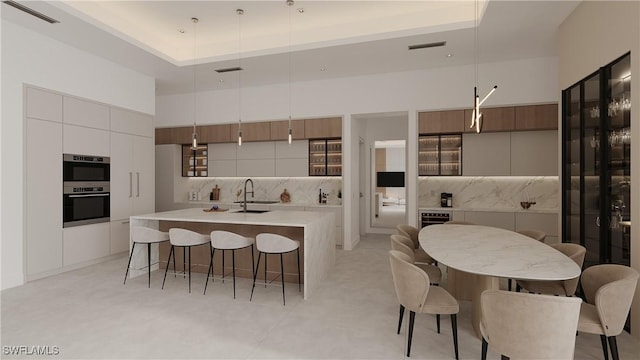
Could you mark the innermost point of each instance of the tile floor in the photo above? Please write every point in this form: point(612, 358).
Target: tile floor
point(90, 314)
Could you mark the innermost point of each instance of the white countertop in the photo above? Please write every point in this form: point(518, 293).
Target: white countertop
point(210, 203)
point(507, 210)
point(274, 217)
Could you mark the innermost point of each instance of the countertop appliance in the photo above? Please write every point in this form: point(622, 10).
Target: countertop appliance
point(432, 217)
point(446, 199)
point(84, 168)
point(85, 203)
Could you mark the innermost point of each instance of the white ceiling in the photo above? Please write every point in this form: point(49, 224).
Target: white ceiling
point(273, 42)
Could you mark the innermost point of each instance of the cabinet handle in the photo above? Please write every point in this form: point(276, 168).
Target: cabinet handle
point(598, 221)
point(130, 184)
point(138, 184)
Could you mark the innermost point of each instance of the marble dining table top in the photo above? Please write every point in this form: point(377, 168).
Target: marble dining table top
point(491, 251)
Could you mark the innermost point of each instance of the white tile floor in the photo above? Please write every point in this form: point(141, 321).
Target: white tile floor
point(89, 314)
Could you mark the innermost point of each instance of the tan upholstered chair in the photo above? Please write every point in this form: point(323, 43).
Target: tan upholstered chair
point(403, 244)
point(534, 234)
point(415, 293)
point(609, 290)
point(411, 233)
point(529, 326)
point(564, 287)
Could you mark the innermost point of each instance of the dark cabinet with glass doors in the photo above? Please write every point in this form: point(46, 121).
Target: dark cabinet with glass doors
point(439, 155)
point(596, 167)
point(325, 157)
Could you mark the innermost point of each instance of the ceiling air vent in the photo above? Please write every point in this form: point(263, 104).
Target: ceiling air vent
point(228, 70)
point(30, 11)
point(429, 45)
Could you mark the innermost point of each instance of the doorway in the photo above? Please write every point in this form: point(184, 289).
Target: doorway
point(388, 168)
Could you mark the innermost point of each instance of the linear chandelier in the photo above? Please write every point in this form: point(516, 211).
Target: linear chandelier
point(476, 115)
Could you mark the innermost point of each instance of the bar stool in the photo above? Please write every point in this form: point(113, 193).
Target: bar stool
point(225, 240)
point(275, 244)
point(185, 239)
point(145, 235)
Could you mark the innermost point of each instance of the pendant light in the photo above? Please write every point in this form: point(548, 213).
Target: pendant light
point(240, 12)
point(476, 115)
point(194, 142)
point(290, 4)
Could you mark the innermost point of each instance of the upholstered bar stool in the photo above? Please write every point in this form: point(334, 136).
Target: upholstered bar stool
point(185, 239)
point(275, 244)
point(145, 235)
point(225, 240)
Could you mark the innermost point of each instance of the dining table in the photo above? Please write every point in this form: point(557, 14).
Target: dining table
point(477, 256)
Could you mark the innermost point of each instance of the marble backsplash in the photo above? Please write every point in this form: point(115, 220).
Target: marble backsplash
point(303, 190)
point(495, 192)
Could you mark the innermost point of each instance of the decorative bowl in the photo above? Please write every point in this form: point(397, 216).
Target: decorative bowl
point(527, 204)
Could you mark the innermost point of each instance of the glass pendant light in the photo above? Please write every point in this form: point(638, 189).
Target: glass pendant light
point(240, 12)
point(476, 115)
point(194, 143)
point(290, 4)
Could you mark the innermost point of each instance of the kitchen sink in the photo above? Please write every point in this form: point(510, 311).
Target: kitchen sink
point(258, 202)
point(252, 211)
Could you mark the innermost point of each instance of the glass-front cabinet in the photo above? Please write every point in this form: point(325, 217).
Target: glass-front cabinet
point(596, 160)
point(439, 155)
point(194, 161)
point(325, 157)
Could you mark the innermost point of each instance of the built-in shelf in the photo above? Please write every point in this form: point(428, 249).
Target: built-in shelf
point(439, 155)
point(195, 162)
point(325, 157)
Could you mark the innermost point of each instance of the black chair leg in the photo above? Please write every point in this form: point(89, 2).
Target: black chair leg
point(184, 262)
point(605, 350)
point(438, 322)
point(614, 348)
point(484, 349)
point(167, 268)
point(400, 318)
point(509, 287)
point(412, 316)
point(209, 271)
point(502, 357)
point(282, 278)
point(223, 266)
point(518, 287)
point(299, 282)
point(149, 263)
point(255, 274)
point(265, 270)
point(454, 329)
point(126, 274)
point(233, 264)
point(189, 269)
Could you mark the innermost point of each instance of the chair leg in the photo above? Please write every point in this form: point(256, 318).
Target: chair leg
point(412, 316)
point(454, 329)
point(167, 268)
point(614, 348)
point(484, 349)
point(184, 262)
point(518, 287)
point(299, 282)
point(438, 322)
point(233, 269)
point(126, 274)
point(265, 270)
point(149, 263)
point(282, 278)
point(189, 269)
point(503, 357)
point(209, 271)
point(509, 286)
point(605, 349)
point(255, 274)
point(400, 317)
point(223, 266)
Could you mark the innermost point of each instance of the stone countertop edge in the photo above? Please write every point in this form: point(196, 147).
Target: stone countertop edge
point(506, 210)
point(208, 204)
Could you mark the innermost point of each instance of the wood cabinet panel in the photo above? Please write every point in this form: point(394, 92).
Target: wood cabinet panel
point(211, 134)
point(257, 131)
point(174, 135)
point(438, 122)
point(494, 119)
point(280, 130)
point(537, 117)
point(323, 128)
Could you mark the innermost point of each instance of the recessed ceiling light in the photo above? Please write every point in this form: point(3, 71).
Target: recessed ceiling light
point(301, 10)
point(323, 69)
point(221, 80)
point(181, 31)
point(449, 55)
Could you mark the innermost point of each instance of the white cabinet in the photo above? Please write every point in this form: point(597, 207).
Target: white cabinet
point(43, 194)
point(85, 243)
point(486, 154)
point(255, 168)
point(292, 159)
point(534, 153)
point(85, 113)
point(222, 159)
point(85, 141)
point(503, 220)
point(547, 223)
point(119, 241)
point(131, 122)
point(43, 105)
point(337, 211)
point(256, 159)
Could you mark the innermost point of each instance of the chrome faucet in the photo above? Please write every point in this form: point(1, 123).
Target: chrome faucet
point(244, 203)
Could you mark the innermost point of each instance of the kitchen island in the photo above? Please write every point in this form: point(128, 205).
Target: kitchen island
point(314, 230)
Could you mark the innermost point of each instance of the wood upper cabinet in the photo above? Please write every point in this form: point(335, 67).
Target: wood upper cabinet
point(494, 119)
point(280, 130)
point(439, 122)
point(537, 117)
point(256, 131)
point(323, 128)
point(212, 134)
point(175, 135)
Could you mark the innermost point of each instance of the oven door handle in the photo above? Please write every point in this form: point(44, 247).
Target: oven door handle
point(88, 195)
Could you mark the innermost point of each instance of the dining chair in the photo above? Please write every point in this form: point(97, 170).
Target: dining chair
point(528, 326)
point(562, 287)
point(403, 244)
point(414, 293)
point(608, 291)
point(411, 233)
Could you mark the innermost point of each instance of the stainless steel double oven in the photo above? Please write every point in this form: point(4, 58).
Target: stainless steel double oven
point(86, 191)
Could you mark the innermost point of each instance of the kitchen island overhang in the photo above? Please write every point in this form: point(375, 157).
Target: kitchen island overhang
point(314, 230)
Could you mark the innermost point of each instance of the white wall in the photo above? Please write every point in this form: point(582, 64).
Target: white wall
point(31, 58)
point(595, 34)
